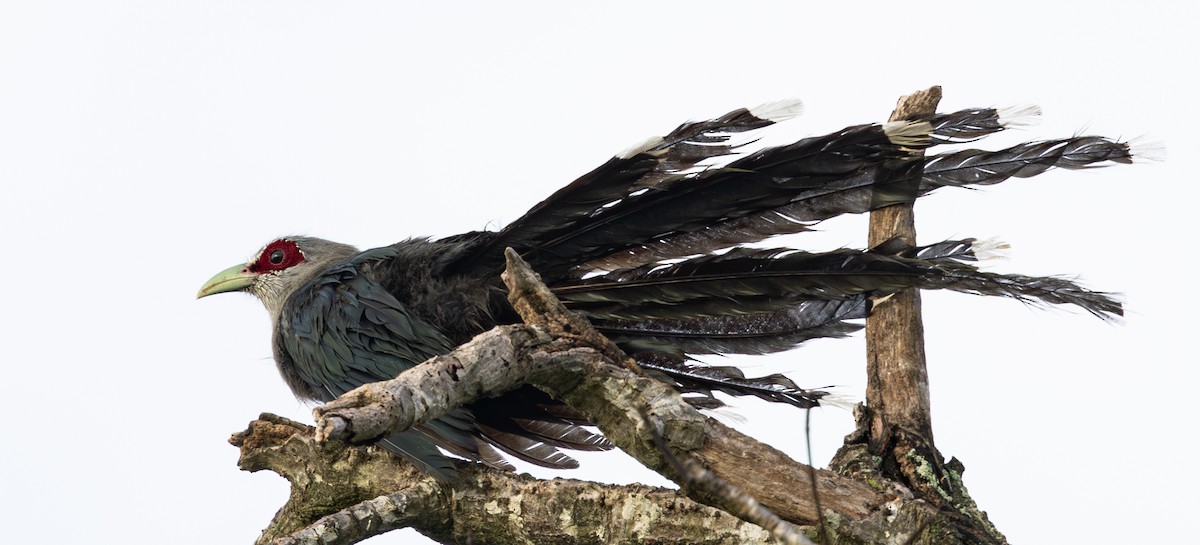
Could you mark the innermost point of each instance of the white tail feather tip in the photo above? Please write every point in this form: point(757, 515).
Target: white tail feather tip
point(990, 249)
point(777, 111)
point(640, 147)
point(841, 397)
point(727, 415)
point(1018, 116)
point(1147, 149)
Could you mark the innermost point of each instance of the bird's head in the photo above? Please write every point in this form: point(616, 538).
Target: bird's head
point(278, 269)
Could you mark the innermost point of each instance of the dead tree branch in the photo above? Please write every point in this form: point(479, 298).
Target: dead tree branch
point(895, 424)
point(342, 494)
point(897, 381)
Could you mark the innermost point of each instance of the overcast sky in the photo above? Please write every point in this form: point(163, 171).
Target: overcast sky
point(144, 146)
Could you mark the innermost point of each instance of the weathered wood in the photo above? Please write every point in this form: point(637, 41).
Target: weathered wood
point(342, 494)
point(897, 380)
point(433, 388)
point(895, 424)
point(326, 480)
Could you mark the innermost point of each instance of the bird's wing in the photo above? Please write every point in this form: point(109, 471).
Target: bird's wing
point(345, 331)
point(342, 330)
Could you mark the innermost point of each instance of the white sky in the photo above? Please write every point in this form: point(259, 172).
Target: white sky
point(145, 146)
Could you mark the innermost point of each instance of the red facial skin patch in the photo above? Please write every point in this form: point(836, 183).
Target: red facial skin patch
point(277, 256)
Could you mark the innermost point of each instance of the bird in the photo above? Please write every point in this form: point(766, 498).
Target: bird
point(660, 248)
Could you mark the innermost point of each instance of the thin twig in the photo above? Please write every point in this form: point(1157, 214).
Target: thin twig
point(812, 471)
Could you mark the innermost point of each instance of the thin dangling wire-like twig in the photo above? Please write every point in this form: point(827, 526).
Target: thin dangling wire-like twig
point(812, 471)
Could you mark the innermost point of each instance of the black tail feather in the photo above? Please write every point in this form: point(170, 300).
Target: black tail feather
point(971, 124)
point(692, 202)
point(529, 449)
point(744, 281)
point(634, 170)
point(979, 167)
point(652, 203)
point(703, 379)
point(857, 192)
point(758, 333)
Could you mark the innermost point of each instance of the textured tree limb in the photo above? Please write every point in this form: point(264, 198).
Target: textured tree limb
point(897, 381)
point(326, 480)
point(342, 494)
point(698, 479)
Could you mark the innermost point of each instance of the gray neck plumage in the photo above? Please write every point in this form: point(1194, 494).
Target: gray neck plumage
point(319, 257)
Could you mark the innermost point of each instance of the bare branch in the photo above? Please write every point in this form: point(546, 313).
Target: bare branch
point(343, 494)
point(895, 423)
point(697, 479)
point(352, 483)
point(897, 381)
point(433, 388)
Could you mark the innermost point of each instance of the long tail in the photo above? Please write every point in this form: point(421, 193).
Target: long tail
point(765, 301)
point(750, 280)
point(631, 171)
point(768, 289)
point(703, 379)
point(692, 202)
point(661, 200)
point(687, 196)
point(662, 186)
point(867, 190)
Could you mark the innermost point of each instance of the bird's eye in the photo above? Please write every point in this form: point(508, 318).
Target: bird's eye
point(277, 256)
